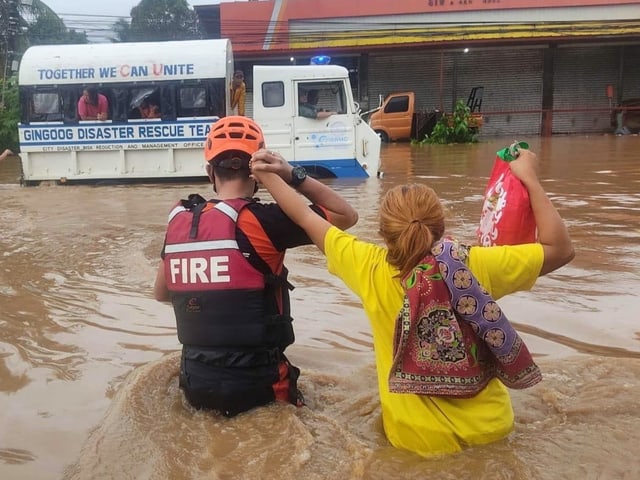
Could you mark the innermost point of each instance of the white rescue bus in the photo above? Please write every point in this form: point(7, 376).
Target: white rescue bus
point(189, 81)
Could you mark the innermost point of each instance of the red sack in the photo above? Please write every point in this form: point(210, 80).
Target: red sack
point(507, 217)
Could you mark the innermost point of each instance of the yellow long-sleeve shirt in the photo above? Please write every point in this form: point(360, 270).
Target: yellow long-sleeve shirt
point(424, 424)
point(238, 96)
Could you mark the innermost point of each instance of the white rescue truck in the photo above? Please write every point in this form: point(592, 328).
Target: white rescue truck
point(189, 81)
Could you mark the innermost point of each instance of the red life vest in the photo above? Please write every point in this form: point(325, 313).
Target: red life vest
point(219, 298)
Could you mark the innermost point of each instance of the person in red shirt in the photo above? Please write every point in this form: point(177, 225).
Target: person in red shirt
point(93, 105)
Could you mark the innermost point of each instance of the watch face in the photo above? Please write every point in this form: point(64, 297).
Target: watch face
point(298, 174)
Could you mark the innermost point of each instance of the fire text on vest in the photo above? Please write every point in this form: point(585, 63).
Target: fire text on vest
point(200, 270)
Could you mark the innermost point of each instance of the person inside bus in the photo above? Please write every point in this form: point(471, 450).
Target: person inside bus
point(233, 315)
point(150, 108)
point(93, 105)
point(146, 105)
point(307, 105)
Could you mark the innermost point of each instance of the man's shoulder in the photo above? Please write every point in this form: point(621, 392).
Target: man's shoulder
point(269, 215)
point(273, 210)
point(263, 208)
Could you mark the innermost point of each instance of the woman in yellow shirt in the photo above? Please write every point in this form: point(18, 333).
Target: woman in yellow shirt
point(411, 222)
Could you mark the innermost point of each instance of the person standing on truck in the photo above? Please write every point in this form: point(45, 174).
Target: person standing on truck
point(93, 105)
point(307, 105)
point(238, 93)
point(223, 270)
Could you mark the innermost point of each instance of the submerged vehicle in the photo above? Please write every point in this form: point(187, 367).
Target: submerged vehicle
point(399, 118)
point(190, 92)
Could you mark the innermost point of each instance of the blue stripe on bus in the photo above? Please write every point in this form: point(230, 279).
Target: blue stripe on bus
point(122, 142)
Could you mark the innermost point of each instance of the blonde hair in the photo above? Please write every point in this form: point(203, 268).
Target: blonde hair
point(411, 220)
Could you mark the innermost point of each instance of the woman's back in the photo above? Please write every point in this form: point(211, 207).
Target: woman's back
point(424, 424)
point(411, 222)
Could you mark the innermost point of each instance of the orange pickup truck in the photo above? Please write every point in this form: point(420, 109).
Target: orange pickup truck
point(398, 119)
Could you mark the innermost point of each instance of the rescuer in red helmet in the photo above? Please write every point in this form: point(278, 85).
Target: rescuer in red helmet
point(223, 270)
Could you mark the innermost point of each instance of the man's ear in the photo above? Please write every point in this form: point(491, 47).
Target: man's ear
point(212, 177)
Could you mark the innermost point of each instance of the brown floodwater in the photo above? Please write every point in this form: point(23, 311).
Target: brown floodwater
point(89, 361)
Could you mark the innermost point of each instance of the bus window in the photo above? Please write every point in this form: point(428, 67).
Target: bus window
point(332, 97)
point(45, 107)
point(272, 94)
point(325, 96)
point(69, 97)
point(192, 101)
point(167, 101)
point(118, 104)
point(145, 103)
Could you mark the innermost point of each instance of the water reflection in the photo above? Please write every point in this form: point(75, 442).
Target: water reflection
point(88, 363)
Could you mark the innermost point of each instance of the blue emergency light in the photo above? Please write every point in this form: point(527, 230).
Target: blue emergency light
point(320, 60)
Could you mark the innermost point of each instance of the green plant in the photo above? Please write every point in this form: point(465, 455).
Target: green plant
point(458, 127)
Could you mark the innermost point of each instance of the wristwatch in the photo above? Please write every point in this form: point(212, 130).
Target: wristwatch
point(298, 175)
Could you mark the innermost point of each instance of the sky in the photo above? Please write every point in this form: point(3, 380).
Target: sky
point(97, 17)
point(108, 7)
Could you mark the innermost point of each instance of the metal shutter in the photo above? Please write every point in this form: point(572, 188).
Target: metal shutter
point(417, 71)
point(581, 76)
point(512, 81)
point(631, 72)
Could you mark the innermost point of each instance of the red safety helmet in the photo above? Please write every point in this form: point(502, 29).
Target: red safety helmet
point(233, 133)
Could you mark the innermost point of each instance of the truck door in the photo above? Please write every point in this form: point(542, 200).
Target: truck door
point(324, 127)
point(273, 103)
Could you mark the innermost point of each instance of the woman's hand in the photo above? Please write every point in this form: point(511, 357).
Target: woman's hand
point(269, 161)
point(525, 167)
